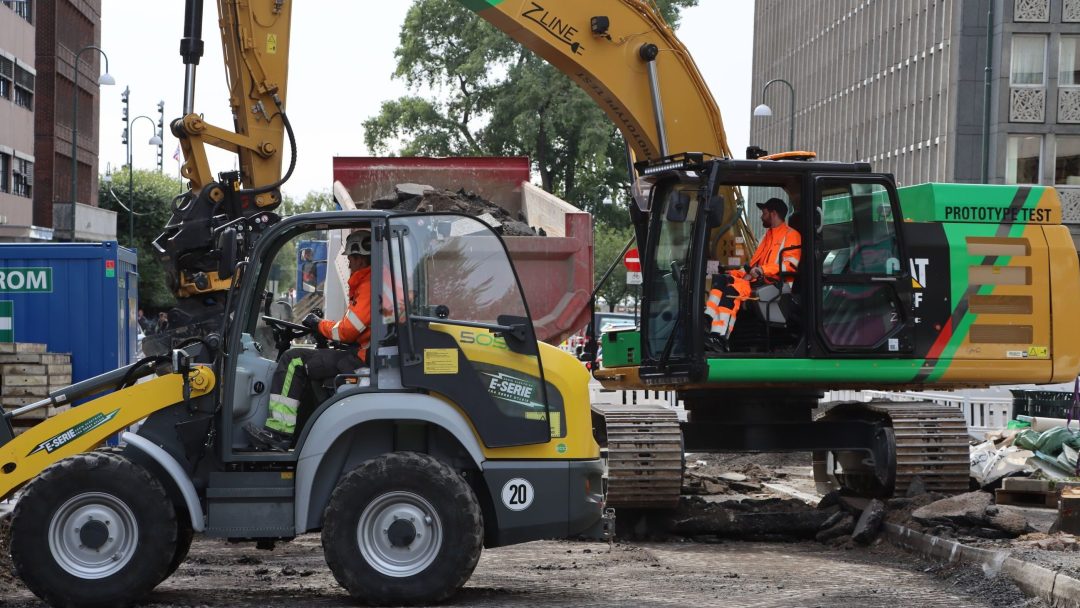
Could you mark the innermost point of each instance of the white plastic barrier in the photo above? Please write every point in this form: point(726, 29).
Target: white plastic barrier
point(982, 414)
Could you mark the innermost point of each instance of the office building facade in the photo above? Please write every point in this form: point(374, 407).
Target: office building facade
point(902, 85)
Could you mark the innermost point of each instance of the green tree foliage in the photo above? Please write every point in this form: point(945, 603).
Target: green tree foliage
point(152, 193)
point(608, 244)
point(491, 96)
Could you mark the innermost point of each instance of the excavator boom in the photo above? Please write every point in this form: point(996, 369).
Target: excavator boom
point(613, 50)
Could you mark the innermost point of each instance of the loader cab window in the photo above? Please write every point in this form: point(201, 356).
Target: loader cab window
point(865, 289)
point(456, 268)
point(667, 268)
point(295, 283)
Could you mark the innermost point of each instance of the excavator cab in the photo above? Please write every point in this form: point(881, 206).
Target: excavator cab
point(849, 293)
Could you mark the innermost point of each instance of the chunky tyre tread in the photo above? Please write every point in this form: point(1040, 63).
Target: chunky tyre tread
point(444, 488)
point(30, 552)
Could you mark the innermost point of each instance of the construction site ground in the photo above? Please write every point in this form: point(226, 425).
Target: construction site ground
point(668, 570)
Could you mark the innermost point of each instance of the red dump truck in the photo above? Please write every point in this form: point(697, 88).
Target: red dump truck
point(556, 270)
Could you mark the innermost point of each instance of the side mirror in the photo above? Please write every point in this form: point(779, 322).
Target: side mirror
point(714, 211)
point(226, 246)
point(517, 337)
point(678, 207)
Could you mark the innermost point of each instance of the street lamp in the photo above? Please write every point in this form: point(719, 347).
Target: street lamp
point(104, 79)
point(764, 110)
point(154, 141)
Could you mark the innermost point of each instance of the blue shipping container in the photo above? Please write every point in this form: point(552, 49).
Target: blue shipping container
point(78, 298)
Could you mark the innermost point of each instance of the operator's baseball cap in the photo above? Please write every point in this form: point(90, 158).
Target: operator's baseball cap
point(774, 204)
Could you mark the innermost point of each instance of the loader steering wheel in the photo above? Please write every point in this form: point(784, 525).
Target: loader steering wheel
point(287, 331)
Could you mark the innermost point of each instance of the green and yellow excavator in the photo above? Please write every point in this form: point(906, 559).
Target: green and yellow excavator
point(464, 431)
point(929, 286)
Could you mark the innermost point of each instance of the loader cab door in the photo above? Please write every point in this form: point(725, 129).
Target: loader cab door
point(862, 270)
point(464, 331)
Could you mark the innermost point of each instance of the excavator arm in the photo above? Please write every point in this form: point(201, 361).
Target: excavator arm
point(623, 54)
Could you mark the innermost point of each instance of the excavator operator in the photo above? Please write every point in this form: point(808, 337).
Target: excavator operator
point(299, 366)
point(779, 251)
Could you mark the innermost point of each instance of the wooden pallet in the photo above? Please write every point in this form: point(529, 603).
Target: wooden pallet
point(1027, 498)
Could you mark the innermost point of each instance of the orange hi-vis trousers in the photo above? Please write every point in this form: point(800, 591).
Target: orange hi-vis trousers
point(726, 296)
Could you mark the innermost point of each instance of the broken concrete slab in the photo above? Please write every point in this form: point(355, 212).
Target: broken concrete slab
point(406, 191)
point(732, 476)
point(1007, 521)
point(844, 527)
point(962, 510)
point(869, 523)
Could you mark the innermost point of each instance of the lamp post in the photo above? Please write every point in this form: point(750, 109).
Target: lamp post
point(764, 110)
point(104, 79)
point(154, 141)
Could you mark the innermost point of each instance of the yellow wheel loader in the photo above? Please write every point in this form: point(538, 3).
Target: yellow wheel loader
point(461, 431)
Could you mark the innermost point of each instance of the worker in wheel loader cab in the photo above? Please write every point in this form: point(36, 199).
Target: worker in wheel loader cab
point(299, 366)
point(777, 252)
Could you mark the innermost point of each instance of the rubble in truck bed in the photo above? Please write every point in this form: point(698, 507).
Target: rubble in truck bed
point(409, 198)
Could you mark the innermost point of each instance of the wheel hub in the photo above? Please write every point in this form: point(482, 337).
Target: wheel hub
point(402, 533)
point(94, 534)
point(399, 534)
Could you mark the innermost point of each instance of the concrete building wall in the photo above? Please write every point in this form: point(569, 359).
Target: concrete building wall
point(874, 81)
point(16, 119)
point(901, 84)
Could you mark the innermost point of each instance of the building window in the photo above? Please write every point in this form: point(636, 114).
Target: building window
point(22, 8)
point(23, 178)
point(5, 172)
point(1028, 61)
point(24, 88)
point(1022, 159)
point(7, 77)
point(1067, 163)
point(1069, 61)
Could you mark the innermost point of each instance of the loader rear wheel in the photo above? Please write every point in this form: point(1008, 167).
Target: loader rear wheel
point(403, 528)
point(93, 530)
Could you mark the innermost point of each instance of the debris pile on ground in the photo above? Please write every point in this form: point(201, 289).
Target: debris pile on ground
point(7, 573)
point(421, 198)
point(1029, 446)
point(972, 514)
point(736, 474)
point(699, 519)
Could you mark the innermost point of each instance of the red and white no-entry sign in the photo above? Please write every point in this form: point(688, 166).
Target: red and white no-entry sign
point(633, 267)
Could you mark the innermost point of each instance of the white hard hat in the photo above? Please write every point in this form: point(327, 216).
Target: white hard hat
point(358, 243)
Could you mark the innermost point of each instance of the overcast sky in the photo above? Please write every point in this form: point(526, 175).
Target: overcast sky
point(341, 61)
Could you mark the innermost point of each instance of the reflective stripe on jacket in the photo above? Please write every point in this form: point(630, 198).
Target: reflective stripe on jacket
point(353, 327)
point(770, 254)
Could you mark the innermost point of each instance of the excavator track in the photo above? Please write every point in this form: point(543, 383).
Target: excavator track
point(930, 442)
point(644, 451)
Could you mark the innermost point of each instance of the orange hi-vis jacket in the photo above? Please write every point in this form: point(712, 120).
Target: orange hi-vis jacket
point(770, 254)
point(353, 327)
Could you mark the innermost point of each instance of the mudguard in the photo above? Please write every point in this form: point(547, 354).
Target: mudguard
point(346, 414)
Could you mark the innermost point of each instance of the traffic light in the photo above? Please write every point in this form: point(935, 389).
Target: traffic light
point(125, 99)
point(161, 135)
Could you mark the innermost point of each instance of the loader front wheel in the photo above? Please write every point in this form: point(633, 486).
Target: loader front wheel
point(403, 528)
point(93, 530)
